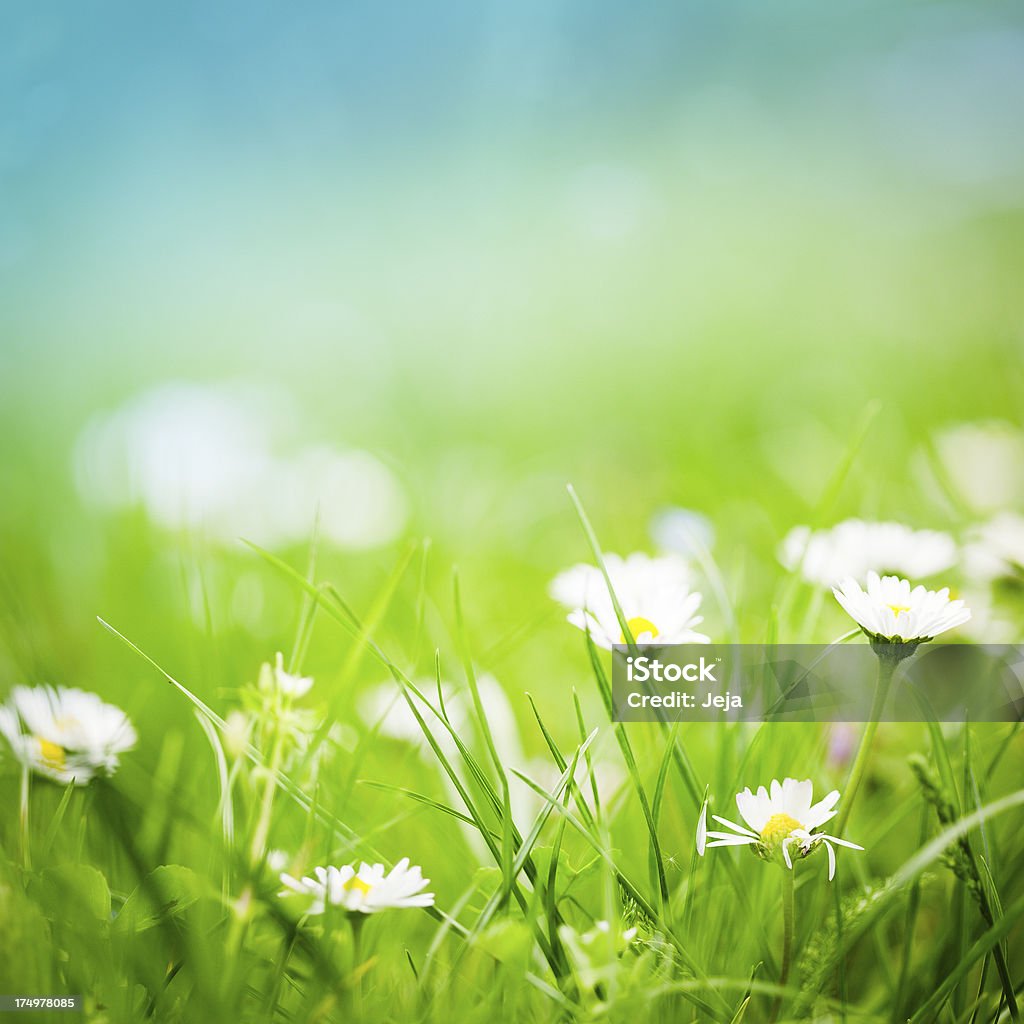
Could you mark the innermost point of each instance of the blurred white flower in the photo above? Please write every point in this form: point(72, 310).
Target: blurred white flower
point(995, 550)
point(984, 463)
point(273, 714)
point(205, 457)
point(276, 678)
point(595, 953)
point(992, 621)
point(654, 594)
point(67, 735)
point(890, 611)
point(855, 547)
point(360, 502)
point(277, 860)
point(681, 531)
point(385, 709)
point(779, 819)
point(237, 732)
point(364, 891)
point(608, 776)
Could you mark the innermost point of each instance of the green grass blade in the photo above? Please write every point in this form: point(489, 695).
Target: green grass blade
point(989, 941)
point(634, 774)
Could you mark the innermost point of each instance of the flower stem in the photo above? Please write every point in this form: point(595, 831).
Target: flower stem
point(262, 829)
point(244, 904)
point(886, 666)
point(788, 886)
point(26, 852)
point(356, 922)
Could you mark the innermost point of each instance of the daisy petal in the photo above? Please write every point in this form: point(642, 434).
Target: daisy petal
point(743, 831)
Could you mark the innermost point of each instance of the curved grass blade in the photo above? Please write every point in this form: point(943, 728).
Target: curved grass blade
point(988, 942)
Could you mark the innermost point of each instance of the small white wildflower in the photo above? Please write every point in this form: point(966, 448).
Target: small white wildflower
point(67, 735)
point(596, 952)
point(367, 890)
point(654, 594)
point(277, 860)
point(891, 612)
point(276, 678)
point(780, 819)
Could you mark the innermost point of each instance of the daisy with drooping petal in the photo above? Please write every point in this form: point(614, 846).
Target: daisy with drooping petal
point(780, 819)
point(367, 890)
point(890, 611)
point(67, 735)
point(654, 594)
point(855, 547)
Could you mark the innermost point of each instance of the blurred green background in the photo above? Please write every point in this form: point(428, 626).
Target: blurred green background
point(668, 253)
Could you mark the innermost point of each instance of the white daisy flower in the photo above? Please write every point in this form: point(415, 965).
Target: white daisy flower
point(67, 735)
point(654, 594)
point(855, 547)
point(782, 819)
point(891, 612)
point(365, 891)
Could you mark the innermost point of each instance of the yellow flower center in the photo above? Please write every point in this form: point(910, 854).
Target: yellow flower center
point(51, 753)
point(897, 608)
point(637, 625)
point(777, 828)
point(356, 884)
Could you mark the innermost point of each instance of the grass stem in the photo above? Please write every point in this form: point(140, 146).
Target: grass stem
point(788, 889)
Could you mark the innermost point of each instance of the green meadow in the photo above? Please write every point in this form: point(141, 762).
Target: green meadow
point(457, 719)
